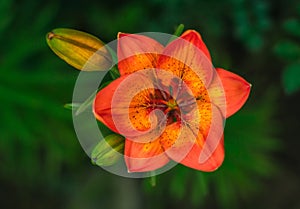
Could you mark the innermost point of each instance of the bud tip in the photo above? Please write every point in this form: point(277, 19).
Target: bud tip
point(50, 35)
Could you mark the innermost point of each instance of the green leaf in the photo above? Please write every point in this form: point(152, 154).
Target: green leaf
point(81, 107)
point(291, 78)
point(179, 181)
point(86, 104)
point(292, 26)
point(114, 72)
point(71, 106)
point(287, 50)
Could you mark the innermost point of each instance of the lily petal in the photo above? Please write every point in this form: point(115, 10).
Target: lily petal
point(197, 145)
point(142, 157)
point(216, 94)
point(103, 103)
point(123, 107)
point(195, 38)
point(211, 164)
point(189, 153)
point(236, 89)
point(137, 52)
point(185, 59)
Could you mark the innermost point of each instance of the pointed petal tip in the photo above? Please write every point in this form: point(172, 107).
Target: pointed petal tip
point(237, 90)
point(212, 164)
point(134, 170)
point(121, 34)
point(190, 31)
point(217, 165)
point(195, 38)
point(191, 156)
point(192, 35)
point(136, 166)
point(139, 160)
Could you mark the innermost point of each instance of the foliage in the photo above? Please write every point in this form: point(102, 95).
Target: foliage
point(288, 50)
point(37, 140)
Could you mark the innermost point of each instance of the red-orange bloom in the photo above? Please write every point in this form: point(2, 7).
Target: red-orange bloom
point(170, 103)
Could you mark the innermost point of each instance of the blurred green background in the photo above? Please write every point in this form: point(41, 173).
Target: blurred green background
point(41, 162)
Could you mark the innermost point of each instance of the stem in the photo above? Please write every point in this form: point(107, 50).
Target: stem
point(153, 178)
point(179, 30)
point(177, 33)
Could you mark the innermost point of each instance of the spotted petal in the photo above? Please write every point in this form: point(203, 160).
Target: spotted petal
point(137, 52)
point(195, 38)
point(187, 58)
point(141, 157)
point(123, 106)
point(214, 161)
point(197, 145)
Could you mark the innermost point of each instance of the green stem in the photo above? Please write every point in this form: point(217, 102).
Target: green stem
point(153, 178)
point(177, 32)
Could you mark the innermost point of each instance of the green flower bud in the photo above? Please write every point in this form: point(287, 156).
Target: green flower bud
point(81, 50)
point(108, 151)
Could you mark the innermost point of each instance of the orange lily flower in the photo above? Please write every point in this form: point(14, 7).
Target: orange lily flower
point(170, 103)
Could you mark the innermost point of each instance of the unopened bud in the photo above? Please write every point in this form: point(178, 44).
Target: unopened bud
point(81, 50)
point(108, 151)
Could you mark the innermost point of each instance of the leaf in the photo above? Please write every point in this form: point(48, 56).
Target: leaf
point(72, 106)
point(86, 104)
point(291, 78)
point(287, 50)
point(292, 26)
point(114, 72)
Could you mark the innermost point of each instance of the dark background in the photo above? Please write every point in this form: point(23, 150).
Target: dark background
point(41, 162)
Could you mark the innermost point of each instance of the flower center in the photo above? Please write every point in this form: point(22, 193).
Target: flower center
point(172, 104)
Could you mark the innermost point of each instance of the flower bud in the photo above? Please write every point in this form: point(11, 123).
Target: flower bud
point(81, 50)
point(108, 151)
